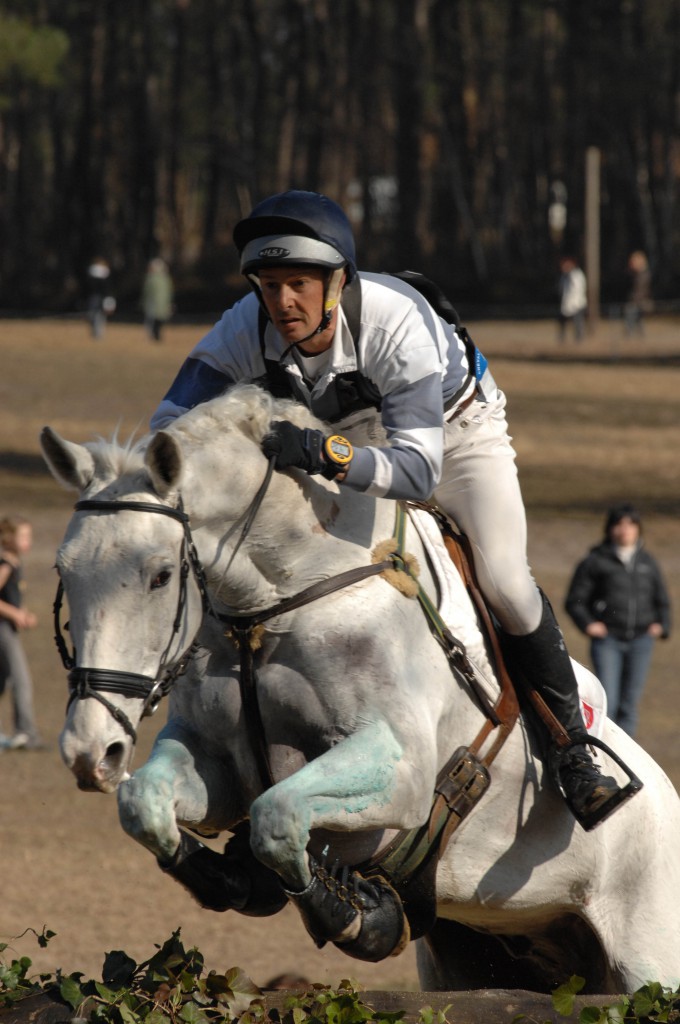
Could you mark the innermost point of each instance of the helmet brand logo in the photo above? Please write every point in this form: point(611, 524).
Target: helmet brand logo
point(273, 252)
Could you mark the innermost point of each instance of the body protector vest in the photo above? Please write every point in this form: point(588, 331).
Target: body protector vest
point(353, 391)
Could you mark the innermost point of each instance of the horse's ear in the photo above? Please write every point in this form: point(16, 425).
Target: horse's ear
point(164, 461)
point(71, 464)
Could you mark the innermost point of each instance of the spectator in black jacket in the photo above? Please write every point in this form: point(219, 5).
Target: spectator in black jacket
point(618, 598)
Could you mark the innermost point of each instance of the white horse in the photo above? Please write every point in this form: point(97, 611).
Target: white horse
point(329, 740)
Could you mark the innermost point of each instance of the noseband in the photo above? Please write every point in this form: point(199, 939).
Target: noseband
point(94, 682)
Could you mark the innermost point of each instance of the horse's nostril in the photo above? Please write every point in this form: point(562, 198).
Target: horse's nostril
point(114, 754)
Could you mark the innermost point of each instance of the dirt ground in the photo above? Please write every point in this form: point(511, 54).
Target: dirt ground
point(593, 424)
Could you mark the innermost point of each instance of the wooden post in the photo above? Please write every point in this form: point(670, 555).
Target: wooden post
point(592, 241)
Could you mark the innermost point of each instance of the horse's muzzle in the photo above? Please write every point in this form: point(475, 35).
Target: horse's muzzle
point(105, 775)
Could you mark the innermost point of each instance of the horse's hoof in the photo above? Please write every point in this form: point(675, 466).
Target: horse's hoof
point(331, 903)
point(233, 880)
point(201, 871)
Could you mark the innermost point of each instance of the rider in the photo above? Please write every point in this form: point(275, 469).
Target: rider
point(443, 414)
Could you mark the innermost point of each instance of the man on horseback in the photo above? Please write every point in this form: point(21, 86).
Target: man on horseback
point(443, 414)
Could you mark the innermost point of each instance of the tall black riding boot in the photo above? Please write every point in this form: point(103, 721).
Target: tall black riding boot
point(540, 660)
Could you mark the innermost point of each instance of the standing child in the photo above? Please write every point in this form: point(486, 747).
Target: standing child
point(16, 538)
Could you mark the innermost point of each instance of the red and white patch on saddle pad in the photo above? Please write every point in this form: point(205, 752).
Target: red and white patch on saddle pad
point(588, 712)
point(593, 700)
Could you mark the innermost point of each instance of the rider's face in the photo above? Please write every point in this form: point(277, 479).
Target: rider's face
point(294, 300)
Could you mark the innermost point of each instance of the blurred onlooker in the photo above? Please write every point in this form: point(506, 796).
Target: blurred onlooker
point(157, 296)
point(573, 295)
point(16, 538)
point(618, 598)
point(640, 294)
point(100, 304)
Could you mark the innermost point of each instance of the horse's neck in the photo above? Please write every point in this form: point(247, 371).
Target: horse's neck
point(302, 533)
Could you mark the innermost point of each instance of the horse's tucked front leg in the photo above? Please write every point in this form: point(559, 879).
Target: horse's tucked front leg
point(170, 785)
point(364, 782)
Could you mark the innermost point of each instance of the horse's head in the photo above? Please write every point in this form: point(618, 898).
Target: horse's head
point(125, 562)
point(135, 605)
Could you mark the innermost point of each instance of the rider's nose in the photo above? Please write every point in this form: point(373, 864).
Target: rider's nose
point(284, 297)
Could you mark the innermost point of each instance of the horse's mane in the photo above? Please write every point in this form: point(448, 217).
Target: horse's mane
point(245, 407)
point(116, 456)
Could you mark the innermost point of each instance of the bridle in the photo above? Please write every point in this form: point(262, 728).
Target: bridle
point(95, 682)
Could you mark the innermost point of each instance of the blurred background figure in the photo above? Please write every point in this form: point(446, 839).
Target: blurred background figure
point(618, 598)
point(640, 294)
point(573, 299)
point(16, 538)
point(100, 304)
point(157, 297)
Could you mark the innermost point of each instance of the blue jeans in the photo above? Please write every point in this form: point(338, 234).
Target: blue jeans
point(622, 666)
point(15, 675)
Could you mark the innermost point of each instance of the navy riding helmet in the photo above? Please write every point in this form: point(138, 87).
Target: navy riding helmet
point(296, 227)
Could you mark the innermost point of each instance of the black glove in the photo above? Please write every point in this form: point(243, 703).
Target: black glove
point(292, 446)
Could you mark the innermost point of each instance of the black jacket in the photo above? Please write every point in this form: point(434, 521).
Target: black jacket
point(627, 598)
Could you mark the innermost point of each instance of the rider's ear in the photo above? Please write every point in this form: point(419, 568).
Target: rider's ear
point(69, 463)
point(164, 461)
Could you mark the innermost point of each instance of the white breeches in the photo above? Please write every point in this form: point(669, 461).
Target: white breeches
point(480, 491)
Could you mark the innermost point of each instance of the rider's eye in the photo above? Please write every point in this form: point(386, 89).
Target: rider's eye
point(161, 580)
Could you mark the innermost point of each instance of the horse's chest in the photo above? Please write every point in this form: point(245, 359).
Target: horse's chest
point(285, 760)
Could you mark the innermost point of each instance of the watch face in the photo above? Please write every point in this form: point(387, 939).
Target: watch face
point(339, 450)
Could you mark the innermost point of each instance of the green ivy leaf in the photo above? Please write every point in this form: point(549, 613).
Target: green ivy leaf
point(191, 1014)
point(156, 1017)
point(563, 997)
point(128, 1016)
point(589, 1015)
point(104, 992)
point(70, 990)
point(427, 1015)
point(647, 999)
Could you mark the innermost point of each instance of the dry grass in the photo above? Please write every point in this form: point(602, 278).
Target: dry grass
point(598, 425)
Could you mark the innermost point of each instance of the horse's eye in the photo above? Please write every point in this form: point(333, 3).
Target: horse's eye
point(161, 580)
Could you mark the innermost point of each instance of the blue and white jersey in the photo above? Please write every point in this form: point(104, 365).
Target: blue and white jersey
point(409, 361)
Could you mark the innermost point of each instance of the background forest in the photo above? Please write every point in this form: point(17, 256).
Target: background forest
point(454, 132)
